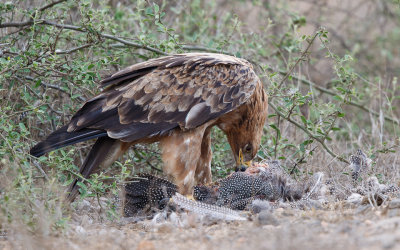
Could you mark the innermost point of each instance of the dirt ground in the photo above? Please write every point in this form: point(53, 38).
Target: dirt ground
point(339, 225)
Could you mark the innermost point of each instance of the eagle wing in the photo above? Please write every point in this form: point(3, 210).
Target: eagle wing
point(154, 97)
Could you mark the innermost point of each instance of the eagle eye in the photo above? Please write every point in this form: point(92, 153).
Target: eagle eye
point(247, 148)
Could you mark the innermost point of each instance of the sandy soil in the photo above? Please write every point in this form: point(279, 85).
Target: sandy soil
point(336, 226)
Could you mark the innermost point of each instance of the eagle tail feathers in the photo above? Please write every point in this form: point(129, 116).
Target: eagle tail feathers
point(103, 153)
point(61, 138)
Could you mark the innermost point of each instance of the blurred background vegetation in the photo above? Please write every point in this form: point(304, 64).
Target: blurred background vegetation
point(330, 67)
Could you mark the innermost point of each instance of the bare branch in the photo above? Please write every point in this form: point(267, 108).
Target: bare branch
point(301, 160)
point(40, 170)
point(21, 24)
point(38, 96)
point(52, 86)
point(30, 22)
point(122, 41)
point(205, 49)
point(79, 29)
point(41, 22)
point(135, 45)
point(299, 59)
point(72, 50)
point(51, 5)
point(58, 25)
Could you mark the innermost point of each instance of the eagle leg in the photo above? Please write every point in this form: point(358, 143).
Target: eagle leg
point(182, 153)
point(203, 170)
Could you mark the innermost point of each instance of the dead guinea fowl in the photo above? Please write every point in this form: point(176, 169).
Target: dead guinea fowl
point(236, 191)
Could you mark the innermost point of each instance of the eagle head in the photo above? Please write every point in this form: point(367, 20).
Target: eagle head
point(244, 127)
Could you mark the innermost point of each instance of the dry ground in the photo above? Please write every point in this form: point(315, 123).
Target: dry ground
point(336, 226)
point(330, 224)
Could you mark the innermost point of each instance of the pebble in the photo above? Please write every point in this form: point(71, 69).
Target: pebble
point(145, 245)
point(260, 205)
point(394, 203)
point(315, 204)
point(393, 212)
point(80, 230)
point(83, 205)
point(165, 228)
point(355, 198)
point(266, 218)
point(362, 208)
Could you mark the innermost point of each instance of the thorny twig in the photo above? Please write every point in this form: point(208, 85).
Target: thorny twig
point(52, 86)
point(51, 5)
point(80, 29)
point(315, 186)
point(38, 96)
point(40, 170)
point(299, 59)
point(72, 50)
point(308, 133)
point(147, 161)
point(277, 135)
point(329, 92)
point(300, 161)
point(205, 49)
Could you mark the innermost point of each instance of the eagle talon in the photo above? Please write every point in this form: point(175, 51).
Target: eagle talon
point(190, 197)
point(240, 168)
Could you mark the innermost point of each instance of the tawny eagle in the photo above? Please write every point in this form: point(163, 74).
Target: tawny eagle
point(175, 100)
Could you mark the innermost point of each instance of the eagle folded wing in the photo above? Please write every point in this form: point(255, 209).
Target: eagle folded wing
point(154, 97)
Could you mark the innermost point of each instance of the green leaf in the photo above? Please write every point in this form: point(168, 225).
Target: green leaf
point(303, 119)
point(302, 148)
point(307, 142)
point(341, 89)
point(338, 98)
point(38, 82)
point(156, 8)
point(22, 127)
point(83, 189)
point(75, 96)
point(276, 129)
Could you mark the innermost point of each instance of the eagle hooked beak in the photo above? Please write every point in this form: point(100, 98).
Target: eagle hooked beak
point(240, 160)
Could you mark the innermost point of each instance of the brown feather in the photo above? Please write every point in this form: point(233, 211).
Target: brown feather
point(173, 80)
